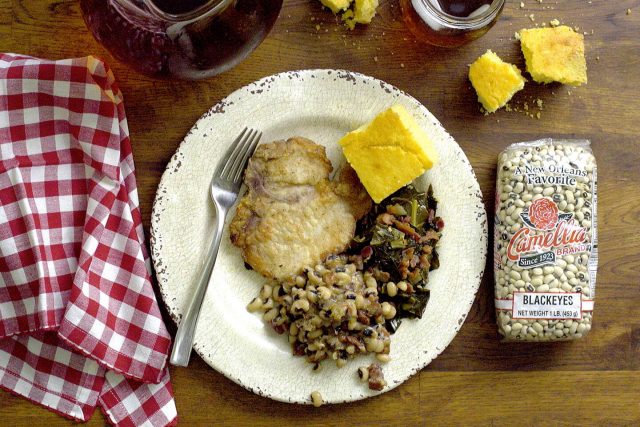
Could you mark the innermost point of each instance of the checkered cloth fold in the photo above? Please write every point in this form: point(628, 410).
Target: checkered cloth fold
point(79, 323)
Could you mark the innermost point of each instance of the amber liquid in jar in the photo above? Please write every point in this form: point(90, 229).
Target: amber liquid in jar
point(450, 23)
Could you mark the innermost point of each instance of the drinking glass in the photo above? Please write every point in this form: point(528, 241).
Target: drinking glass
point(450, 23)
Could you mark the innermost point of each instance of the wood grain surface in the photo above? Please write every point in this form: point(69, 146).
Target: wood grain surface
point(477, 380)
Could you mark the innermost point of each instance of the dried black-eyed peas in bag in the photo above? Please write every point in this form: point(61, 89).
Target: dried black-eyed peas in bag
point(545, 241)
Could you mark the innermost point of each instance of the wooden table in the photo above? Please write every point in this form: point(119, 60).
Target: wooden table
point(477, 380)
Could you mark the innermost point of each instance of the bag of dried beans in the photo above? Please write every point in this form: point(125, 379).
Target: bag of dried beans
point(545, 240)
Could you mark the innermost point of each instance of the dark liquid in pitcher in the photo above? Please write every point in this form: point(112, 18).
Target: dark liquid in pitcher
point(461, 8)
point(176, 7)
point(193, 50)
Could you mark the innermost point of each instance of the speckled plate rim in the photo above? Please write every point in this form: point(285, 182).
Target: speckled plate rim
point(248, 94)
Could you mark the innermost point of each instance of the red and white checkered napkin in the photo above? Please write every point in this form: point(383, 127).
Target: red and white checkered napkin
point(79, 323)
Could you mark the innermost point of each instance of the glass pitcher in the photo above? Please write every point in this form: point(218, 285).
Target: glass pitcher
point(186, 39)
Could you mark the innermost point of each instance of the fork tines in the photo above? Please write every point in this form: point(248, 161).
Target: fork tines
point(238, 155)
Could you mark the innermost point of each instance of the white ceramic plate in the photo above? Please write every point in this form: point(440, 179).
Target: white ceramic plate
point(322, 105)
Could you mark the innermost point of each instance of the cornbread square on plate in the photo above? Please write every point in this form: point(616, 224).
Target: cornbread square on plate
point(554, 55)
point(389, 152)
point(494, 80)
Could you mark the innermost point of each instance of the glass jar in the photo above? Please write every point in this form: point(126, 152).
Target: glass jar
point(450, 23)
point(186, 39)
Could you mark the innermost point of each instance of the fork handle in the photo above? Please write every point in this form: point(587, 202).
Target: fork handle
point(184, 337)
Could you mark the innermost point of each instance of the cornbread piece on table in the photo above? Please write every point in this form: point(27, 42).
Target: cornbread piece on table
point(389, 152)
point(554, 55)
point(363, 12)
point(336, 5)
point(494, 80)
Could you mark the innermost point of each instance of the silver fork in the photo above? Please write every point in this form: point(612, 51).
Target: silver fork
point(225, 187)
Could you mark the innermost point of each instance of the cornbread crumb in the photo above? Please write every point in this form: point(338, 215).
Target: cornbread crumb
point(538, 115)
point(347, 17)
point(494, 80)
point(521, 5)
point(554, 55)
point(532, 17)
point(628, 11)
point(554, 22)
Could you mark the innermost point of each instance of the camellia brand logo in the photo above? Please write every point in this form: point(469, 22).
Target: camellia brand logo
point(546, 229)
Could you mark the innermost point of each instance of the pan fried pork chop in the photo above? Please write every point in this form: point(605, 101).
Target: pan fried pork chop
point(292, 215)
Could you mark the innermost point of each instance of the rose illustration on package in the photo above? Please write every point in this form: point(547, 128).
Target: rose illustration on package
point(543, 214)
